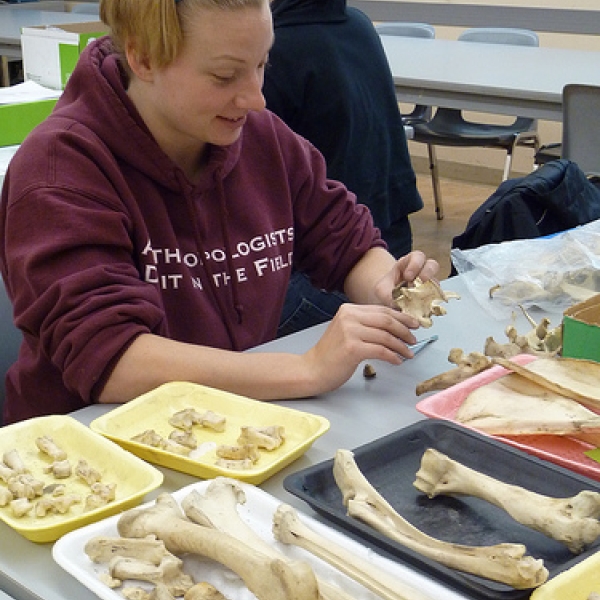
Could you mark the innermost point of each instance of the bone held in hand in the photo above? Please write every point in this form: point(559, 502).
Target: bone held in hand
point(267, 579)
point(505, 563)
point(571, 521)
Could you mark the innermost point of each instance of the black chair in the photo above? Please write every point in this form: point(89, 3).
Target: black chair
point(449, 127)
point(11, 339)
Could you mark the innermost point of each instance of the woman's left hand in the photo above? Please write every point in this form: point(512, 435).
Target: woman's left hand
point(405, 270)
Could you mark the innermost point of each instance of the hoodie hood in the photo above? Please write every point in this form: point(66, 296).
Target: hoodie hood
point(295, 12)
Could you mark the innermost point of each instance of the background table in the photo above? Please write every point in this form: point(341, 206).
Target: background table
point(501, 79)
point(13, 19)
point(360, 411)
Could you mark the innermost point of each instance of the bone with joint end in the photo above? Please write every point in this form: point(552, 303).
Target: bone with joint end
point(267, 579)
point(571, 521)
point(288, 529)
point(505, 563)
point(169, 572)
point(217, 508)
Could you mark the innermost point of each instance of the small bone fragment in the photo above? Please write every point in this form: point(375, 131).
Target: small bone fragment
point(161, 592)
point(25, 486)
point(87, 473)
point(288, 529)
point(169, 572)
point(247, 451)
point(102, 494)
point(55, 504)
point(369, 371)
point(21, 506)
point(13, 461)
point(5, 496)
point(6, 473)
point(467, 365)
point(171, 445)
point(506, 563)
point(269, 438)
point(135, 593)
point(203, 591)
point(185, 419)
point(109, 581)
point(571, 521)
point(101, 549)
point(422, 300)
point(184, 438)
point(55, 489)
point(217, 508)
point(267, 579)
point(48, 446)
point(212, 420)
point(149, 437)
point(61, 469)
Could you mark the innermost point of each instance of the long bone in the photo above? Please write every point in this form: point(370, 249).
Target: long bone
point(506, 563)
point(288, 529)
point(267, 579)
point(217, 508)
point(571, 521)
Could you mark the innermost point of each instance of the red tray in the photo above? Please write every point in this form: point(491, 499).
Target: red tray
point(561, 450)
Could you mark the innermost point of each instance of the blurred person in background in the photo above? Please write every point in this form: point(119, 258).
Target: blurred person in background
point(328, 78)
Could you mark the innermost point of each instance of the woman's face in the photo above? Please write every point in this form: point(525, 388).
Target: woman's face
point(205, 95)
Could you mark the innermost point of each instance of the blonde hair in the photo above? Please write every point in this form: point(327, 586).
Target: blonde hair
point(156, 28)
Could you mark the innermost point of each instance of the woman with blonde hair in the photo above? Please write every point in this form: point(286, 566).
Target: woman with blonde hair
point(151, 223)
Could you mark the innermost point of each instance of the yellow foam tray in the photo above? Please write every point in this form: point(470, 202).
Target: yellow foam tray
point(576, 583)
point(153, 410)
point(133, 477)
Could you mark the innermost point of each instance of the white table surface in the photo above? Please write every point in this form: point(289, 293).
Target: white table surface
point(13, 19)
point(501, 79)
point(360, 411)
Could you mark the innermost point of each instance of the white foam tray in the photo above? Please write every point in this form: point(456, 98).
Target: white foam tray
point(258, 511)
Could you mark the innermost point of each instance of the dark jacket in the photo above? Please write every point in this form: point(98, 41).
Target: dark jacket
point(328, 78)
point(556, 197)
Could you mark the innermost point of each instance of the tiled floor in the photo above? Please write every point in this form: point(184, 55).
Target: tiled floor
point(460, 199)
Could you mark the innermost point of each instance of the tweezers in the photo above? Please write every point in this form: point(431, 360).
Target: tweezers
point(418, 346)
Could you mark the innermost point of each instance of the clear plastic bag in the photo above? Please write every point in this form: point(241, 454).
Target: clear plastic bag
point(550, 273)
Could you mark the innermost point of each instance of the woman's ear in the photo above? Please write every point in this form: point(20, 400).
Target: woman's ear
point(139, 64)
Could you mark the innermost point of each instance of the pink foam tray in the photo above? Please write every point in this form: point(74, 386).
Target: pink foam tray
point(561, 450)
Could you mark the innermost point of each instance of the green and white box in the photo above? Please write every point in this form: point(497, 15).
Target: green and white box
point(50, 53)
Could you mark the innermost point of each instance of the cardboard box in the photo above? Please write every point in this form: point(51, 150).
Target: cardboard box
point(19, 119)
point(51, 53)
point(581, 330)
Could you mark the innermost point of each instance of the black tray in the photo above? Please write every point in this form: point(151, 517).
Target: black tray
point(390, 465)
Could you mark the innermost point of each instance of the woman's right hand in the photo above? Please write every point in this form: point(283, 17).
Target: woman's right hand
point(357, 333)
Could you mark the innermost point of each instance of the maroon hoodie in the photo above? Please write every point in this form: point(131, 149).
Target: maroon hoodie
point(104, 238)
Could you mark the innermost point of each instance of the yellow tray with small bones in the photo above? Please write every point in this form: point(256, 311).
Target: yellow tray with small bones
point(128, 477)
point(153, 412)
